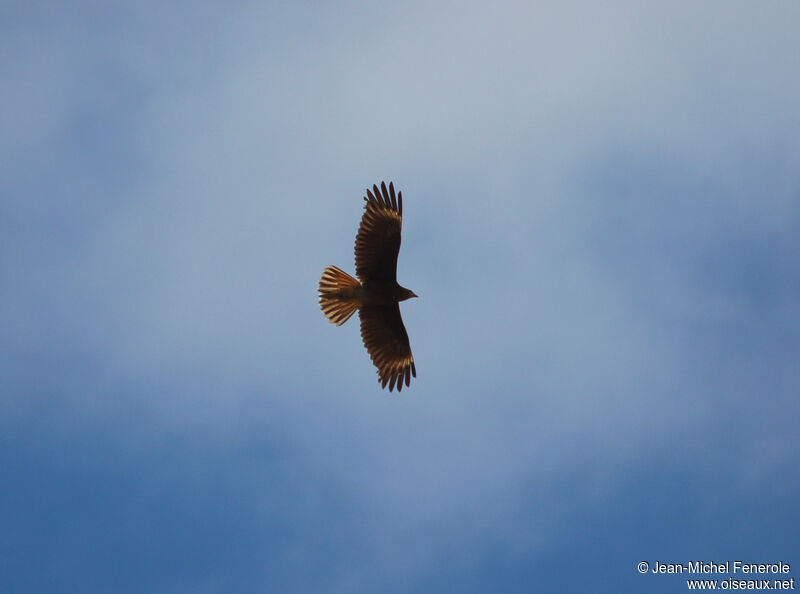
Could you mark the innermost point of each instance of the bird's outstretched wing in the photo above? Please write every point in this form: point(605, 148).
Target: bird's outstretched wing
point(386, 340)
point(378, 239)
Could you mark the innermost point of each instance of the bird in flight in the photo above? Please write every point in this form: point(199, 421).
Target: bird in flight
point(377, 295)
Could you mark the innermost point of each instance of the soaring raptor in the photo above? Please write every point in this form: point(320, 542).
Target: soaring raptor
point(377, 295)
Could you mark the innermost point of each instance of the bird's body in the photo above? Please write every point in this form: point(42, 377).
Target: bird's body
point(377, 295)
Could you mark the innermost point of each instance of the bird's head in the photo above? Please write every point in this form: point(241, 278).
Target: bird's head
point(406, 294)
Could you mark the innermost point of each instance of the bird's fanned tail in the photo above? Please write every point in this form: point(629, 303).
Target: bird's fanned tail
point(336, 295)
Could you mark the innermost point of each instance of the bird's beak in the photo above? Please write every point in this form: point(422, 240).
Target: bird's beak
point(413, 294)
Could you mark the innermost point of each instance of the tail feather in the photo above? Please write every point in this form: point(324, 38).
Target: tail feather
point(335, 298)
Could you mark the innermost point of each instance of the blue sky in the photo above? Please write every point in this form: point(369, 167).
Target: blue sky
point(601, 214)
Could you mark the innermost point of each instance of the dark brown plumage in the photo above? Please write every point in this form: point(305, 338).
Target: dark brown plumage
point(377, 296)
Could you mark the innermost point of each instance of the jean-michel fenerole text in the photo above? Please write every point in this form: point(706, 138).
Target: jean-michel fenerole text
point(723, 567)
